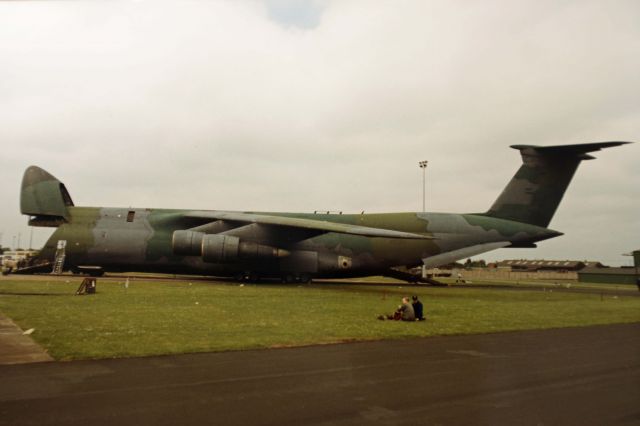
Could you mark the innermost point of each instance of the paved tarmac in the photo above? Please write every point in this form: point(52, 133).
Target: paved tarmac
point(16, 347)
point(578, 376)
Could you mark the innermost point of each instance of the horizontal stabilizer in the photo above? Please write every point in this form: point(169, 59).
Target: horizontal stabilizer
point(578, 150)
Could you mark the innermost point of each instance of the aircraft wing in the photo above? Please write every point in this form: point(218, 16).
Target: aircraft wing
point(301, 224)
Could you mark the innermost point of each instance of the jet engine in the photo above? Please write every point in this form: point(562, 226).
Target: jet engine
point(219, 248)
point(187, 243)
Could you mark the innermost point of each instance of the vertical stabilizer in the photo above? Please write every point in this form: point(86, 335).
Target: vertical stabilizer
point(534, 193)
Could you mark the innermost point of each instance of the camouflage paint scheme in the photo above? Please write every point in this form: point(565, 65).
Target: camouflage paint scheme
point(300, 245)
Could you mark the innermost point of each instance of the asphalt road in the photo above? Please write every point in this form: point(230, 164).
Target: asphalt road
point(580, 376)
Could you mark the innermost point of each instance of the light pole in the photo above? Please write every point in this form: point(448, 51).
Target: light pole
point(423, 166)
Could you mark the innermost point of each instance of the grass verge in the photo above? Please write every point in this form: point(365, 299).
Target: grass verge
point(151, 318)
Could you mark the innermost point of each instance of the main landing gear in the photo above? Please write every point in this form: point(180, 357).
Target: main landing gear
point(289, 278)
point(248, 277)
point(296, 278)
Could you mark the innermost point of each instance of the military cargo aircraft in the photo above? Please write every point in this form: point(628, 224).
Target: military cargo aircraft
point(297, 247)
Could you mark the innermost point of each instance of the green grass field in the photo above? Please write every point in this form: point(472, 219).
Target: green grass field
point(150, 318)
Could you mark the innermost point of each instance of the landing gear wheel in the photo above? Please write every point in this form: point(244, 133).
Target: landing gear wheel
point(305, 278)
point(248, 277)
point(288, 278)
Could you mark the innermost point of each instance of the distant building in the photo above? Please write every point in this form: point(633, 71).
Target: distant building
point(623, 275)
point(546, 265)
point(13, 258)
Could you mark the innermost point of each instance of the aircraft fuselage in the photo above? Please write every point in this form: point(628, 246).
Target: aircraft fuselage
point(119, 239)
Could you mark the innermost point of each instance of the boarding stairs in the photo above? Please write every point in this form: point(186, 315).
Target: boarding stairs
point(58, 263)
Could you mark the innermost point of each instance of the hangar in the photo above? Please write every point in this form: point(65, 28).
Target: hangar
point(546, 265)
point(622, 275)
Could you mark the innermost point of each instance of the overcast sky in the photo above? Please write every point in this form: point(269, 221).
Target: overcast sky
point(323, 105)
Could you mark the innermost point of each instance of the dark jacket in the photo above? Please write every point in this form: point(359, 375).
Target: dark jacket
point(417, 309)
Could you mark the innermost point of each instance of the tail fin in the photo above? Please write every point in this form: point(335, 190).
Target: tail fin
point(533, 194)
point(44, 197)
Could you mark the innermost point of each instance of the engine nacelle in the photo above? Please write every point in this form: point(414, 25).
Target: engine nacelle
point(187, 243)
point(219, 248)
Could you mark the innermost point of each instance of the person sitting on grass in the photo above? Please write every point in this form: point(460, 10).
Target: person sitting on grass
point(403, 313)
point(417, 308)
